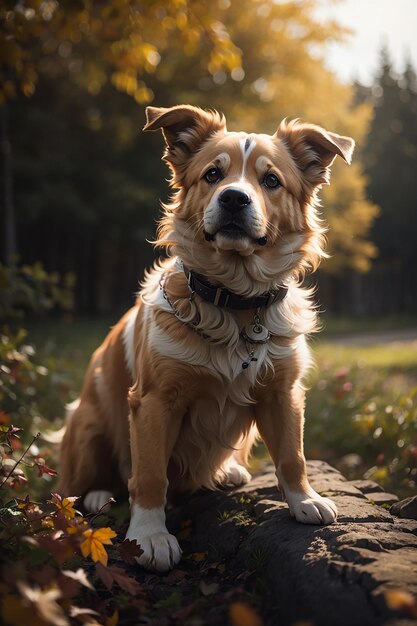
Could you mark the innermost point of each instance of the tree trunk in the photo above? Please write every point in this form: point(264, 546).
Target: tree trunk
point(10, 247)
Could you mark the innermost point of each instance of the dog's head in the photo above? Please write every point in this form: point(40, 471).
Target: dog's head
point(245, 203)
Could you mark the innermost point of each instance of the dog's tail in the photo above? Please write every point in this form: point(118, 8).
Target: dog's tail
point(56, 436)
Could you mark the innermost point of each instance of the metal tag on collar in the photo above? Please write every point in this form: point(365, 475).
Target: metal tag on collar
point(256, 332)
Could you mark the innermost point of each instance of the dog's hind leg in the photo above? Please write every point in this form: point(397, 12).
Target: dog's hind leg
point(233, 471)
point(86, 458)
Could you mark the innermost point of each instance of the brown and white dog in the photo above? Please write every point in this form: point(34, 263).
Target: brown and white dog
point(214, 349)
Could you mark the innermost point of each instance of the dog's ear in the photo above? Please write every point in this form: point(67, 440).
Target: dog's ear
point(314, 149)
point(185, 128)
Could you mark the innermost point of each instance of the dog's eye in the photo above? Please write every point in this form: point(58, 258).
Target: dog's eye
point(271, 181)
point(213, 175)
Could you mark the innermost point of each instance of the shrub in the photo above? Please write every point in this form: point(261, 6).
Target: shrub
point(363, 427)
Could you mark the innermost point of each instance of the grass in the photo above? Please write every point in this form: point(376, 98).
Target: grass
point(391, 359)
point(346, 325)
point(72, 342)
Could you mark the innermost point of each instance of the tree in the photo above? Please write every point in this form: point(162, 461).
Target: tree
point(128, 38)
point(390, 158)
point(88, 181)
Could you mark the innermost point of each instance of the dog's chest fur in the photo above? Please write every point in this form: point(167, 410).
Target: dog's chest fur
point(224, 353)
point(223, 411)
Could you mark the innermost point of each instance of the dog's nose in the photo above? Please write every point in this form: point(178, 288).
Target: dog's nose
point(234, 199)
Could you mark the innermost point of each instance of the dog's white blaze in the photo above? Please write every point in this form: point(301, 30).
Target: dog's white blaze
point(247, 146)
point(129, 343)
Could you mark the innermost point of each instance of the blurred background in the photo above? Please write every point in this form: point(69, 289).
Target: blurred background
point(81, 186)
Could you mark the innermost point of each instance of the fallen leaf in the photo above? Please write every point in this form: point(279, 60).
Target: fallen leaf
point(242, 614)
point(111, 575)
point(16, 613)
point(94, 543)
point(75, 611)
point(186, 529)
point(397, 599)
point(57, 546)
point(80, 576)
point(113, 620)
point(130, 550)
point(207, 589)
point(44, 602)
point(175, 576)
point(198, 556)
point(184, 612)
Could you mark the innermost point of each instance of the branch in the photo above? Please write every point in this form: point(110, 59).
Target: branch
point(19, 460)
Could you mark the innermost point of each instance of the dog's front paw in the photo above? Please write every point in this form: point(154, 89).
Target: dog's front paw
point(310, 507)
point(161, 551)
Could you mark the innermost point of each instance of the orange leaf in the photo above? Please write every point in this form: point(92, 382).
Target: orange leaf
point(401, 600)
point(241, 614)
point(94, 543)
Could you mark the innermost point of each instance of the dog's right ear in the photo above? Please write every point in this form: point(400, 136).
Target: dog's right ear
point(185, 128)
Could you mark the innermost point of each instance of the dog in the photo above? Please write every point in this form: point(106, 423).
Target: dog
point(214, 352)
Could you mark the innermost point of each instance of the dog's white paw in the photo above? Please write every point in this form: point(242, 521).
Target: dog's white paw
point(234, 474)
point(310, 507)
point(161, 551)
point(96, 501)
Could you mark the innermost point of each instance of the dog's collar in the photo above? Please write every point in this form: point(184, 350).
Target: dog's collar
point(222, 297)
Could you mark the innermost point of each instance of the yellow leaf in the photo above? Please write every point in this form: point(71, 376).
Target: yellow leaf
point(65, 505)
point(105, 535)
point(244, 615)
point(94, 542)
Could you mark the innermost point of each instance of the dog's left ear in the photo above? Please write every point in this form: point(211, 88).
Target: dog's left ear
point(314, 149)
point(185, 128)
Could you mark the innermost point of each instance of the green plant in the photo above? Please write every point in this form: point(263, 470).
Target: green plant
point(351, 412)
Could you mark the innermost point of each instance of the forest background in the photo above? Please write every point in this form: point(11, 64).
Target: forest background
point(82, 183)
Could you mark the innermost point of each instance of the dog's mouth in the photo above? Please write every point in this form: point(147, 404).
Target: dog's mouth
point(233, 231)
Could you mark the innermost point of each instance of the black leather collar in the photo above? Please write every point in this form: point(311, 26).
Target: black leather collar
point(224, 298)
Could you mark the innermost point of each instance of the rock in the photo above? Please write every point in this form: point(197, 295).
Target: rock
point(405, 508)
point(366, 486)
point(380, 497)
point(334, 575)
